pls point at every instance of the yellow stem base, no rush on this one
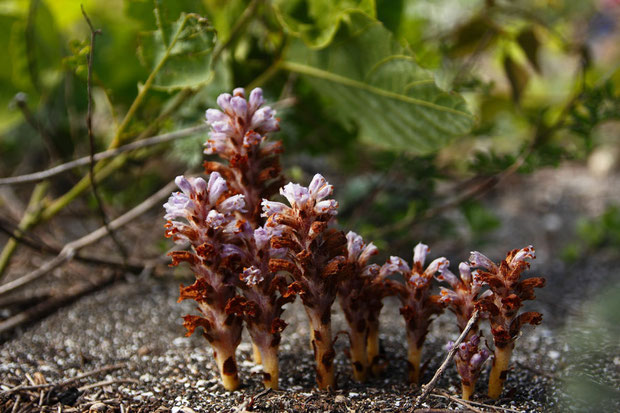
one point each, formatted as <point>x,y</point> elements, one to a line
<point>467,390</point>
<point>227,365</point>
<point>271,371</point>
<point>256,354</point>
<point>414,355</point>
<point>499,371</point>
<point>372,351</point>
<point>321,335</point>
<point>359,362</point>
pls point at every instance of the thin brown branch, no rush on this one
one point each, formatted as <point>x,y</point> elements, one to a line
<point>155,140</point>
<point>107,383</point>
<point>470,404</point>
<point>427,388</point>
<point>45,308</point>
<point>69,250</point>
<point>91,138</point>
<point>37,244</point>
<point>103,369</point>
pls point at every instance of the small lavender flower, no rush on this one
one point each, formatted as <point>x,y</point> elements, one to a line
<point>238,117</point>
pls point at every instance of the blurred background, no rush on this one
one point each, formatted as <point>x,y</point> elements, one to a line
<point>515,140</point>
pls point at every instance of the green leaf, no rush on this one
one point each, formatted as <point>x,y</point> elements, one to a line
<point>374,83</point>
<point>317,21</point>
<point>179,53</point>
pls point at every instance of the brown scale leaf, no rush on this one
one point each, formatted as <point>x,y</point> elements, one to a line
<point>277,326</point>
<point>182,256</point>
<point>530,317</point>
<point>192,322</point>
<point>198,291</point>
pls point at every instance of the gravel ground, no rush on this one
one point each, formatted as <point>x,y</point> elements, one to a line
<point>569,363</point>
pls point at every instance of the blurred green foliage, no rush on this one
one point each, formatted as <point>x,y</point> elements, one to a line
<point>396,101</point>
<point>595,233</point>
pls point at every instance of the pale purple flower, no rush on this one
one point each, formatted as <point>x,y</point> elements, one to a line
<point>272,207</point>
<point>395,265</point>
<point>251,139</point>
<point>437,265</point>
<point>329,206</point>
<point>465,272</point>
<point>296,194</point>
<point>230,125</point>
<point>446,275</point>
<point>319,188</point>
<point>477,259</point>
<point>252,276</point>
<point>215,219</point>
<point>523,254</point>
<point>357,250</point>
<point>419,254</point>
<point>233,203</point>
<point>216,187</point>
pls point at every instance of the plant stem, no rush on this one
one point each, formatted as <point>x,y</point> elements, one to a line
<point>227,365</point>
<point>414,355</point>
<point>359,360</point>
<point>29,219</point>
<point>271,371</point>
<point>321,339</point>
<point>372,348</point>
<point>499,371</point>
<point>256,354</point>
<point>467,390</point>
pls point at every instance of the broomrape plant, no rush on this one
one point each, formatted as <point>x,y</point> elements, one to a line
<point>252,255</point>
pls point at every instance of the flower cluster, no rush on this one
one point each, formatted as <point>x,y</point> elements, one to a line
<point>419,306</point>
<point>502,303</point>
<point>239,136</point>
<point>314,259</point>
<point>204,215</point>
<point>251,255</point>
<point>361,299</point>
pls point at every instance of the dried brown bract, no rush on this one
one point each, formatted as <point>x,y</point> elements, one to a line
<point>502,304</point>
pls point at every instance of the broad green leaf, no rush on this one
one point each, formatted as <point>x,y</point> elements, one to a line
<point>374,83</point>
<point>179,53</point>
<point>317,21</point>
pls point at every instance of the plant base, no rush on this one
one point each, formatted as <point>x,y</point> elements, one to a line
<point>499,371</point>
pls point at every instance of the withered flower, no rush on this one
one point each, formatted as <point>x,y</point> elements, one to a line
<point>209,223</point>
<point>418,305</point>
<point>502,305</point>
<point>360,296</point>
<point>239,135</point>
<point>462,300</point>
<point>314,259</point>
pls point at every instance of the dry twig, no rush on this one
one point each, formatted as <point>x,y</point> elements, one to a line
<point>91,138</point>
<point>110,153</point>
<point>107,383</point>
<point>70,249</point>
<point>427,388</point>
